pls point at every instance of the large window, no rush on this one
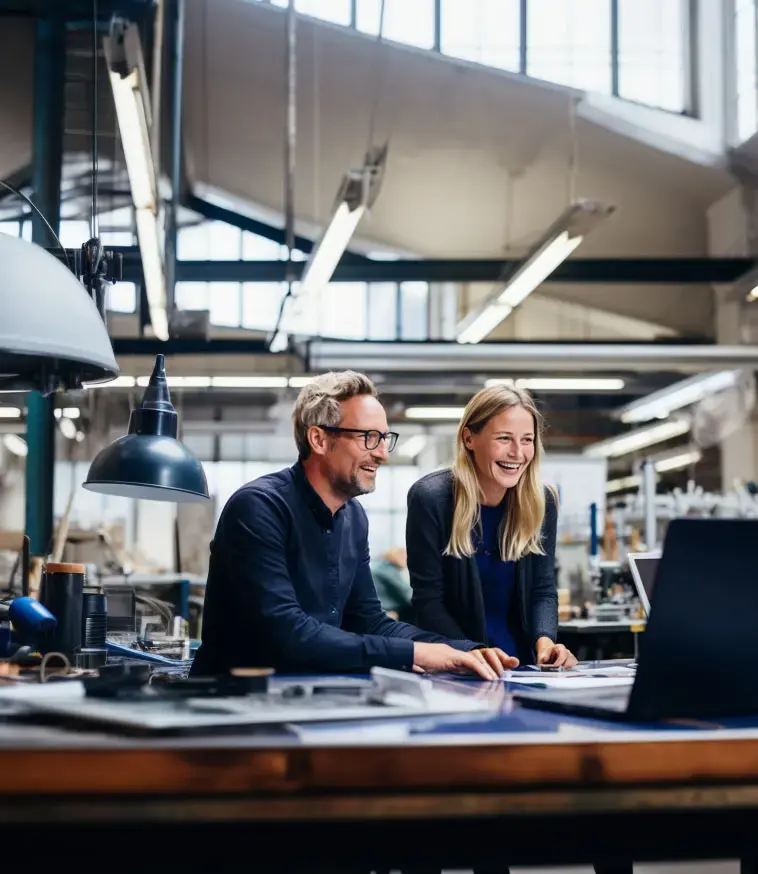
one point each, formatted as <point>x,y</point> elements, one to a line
<point>652,52</point>
<point>746,87</point>
<point>343,310</point>
<point>488,32</point>
<point>569,42</point>
<point>407,21</point>
<point>635,49</point>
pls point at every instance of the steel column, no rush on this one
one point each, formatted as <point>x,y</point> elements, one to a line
<point>176,153</point>
<point>47,136</point>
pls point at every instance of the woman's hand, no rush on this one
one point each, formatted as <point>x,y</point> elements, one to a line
<point>549,653</point>
<point>496,658</point>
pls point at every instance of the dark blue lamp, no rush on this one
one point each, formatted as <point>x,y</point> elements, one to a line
<point>149,462</point>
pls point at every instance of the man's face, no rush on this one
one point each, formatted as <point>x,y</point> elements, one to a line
<point>350,466</point>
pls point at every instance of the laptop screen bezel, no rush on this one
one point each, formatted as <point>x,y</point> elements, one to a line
<point>633,557</point>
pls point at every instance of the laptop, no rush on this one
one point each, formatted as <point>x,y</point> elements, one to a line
<point>696,658</point>
<point>643,567</point>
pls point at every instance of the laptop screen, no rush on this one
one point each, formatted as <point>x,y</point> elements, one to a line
<point>644,571</point>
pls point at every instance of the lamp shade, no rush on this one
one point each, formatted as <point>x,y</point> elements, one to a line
<point>51,333</point>
<point>149,462</point>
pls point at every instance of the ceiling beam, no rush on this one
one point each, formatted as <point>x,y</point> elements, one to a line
<point>610,271</point>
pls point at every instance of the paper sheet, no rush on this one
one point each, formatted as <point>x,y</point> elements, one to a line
<point>569,680</point>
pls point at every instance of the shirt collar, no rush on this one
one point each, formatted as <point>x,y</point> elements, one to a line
<point>322,513</point>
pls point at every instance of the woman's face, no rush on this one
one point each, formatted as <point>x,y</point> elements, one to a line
<point>503,449</point>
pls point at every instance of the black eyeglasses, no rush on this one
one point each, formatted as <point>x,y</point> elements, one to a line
<point>372,439</point>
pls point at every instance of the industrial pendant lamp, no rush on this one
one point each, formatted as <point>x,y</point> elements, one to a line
<point>149,462</point>
<point>51,334</point>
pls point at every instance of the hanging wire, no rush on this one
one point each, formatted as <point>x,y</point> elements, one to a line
<point>38,212</point>
<point>95,168</point>
<point>290,142</point>
<point>573,157</point>
<point>379,68</point>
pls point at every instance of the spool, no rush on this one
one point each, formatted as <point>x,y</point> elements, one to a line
<point>61,592</point>
<point>93,653</point>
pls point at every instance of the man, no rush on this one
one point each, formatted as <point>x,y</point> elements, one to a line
<point>289,584</point>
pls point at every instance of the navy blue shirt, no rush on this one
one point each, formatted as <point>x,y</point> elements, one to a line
<point>498,580</point>
<point>289,587</point>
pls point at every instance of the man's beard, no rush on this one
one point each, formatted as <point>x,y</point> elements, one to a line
<point>350,488</point>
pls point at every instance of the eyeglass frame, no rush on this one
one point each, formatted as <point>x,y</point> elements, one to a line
<point>390,437</point>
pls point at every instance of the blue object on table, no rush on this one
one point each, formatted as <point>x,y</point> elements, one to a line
<point>31,620</point>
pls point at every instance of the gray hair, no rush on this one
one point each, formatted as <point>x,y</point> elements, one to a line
<point>319,403</point>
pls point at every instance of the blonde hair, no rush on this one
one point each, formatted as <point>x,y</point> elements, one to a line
<point>521,530</point>
<point>319,403</point>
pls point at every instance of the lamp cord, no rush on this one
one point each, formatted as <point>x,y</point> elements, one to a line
<point>93,230</point>
<point>378,69</point>
<point>37,211</point>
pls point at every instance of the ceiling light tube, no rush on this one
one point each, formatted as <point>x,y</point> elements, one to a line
<point>558,243</point>
<point>411,447</point>
<point>560,383</point>
<point>681,394</point>
<point>10,413</point>
<point>152,269</point>
<point>249,381</point>
<point>640,438</point>
<point>357,193</point>
<point>676,459</point>
<point>434,412</point>
<point>15,444</point>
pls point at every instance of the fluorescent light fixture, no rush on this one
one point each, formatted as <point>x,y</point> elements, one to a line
<point>676,459</point>
<point>118,382</point>
<point>249,381</point>
<point>331,248</point>
<point>10,413</point>
<point>558,243</point>
<point>681,394</point>
<point>560,383</point>
<point>152,268</point>
<point>300,381</point>
<point>67,412</point>
<point>15,444</point>
<point>79,436</point>
<point>623,483</point>
<point>412,446</point>
<point>638,439</point>
<point>434,412</point>
<point>68,428</point>
<point>135,137</point>
<point>126,71</point>
<point>357,193</point>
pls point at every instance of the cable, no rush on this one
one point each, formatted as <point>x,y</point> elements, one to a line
<point>377,79</point>
<point>95,167</point>
<point>38,212</point>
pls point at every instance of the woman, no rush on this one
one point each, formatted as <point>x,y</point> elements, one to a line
<point>481,536</point>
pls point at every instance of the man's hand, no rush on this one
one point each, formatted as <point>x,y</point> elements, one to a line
<point>549,653</point>
<point>441,657</point>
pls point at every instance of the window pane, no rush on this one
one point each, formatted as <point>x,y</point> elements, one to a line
<point>122,297</point>
<point>9,228</point>
<point>255,248</point>
<point>192,295</point>
<point>651,52</point>
<point>747,96</point>
<point>337,11</point>
<point>73,233</point>
<point>486,31</point>
<point>413,310</point>
<point>342,310</point>
<point>382,311</point>
<point>225,303</point>
<point>569,42</point>
<point>260,304</point>
<point>407,21</point>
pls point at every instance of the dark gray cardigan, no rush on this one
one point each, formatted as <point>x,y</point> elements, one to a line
<point>447,592</point>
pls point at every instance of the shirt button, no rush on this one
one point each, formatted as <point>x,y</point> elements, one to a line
<point>333,611</point>
<point>328,530</point>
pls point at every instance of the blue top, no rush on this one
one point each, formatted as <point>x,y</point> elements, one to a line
<point>289,587</point>
<point>498,580</point>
